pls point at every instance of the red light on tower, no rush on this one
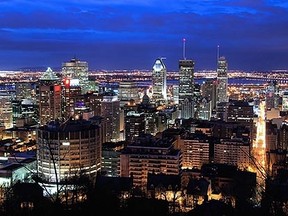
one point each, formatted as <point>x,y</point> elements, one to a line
<point>67,83</point>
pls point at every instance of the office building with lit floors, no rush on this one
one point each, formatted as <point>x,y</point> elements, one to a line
<point>134,125</point>
<point>68,149</point>
<point>110,111</point>
<point>76,69</point>
<point>234,151</point>
<point>186,88</point>
<point>149,154</point>
<point>222,80</point>
<point>159,82</point>
<point>195,150</point>
<point>49,97</point>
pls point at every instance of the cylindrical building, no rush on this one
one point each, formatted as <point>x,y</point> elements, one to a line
<point>68,149</point>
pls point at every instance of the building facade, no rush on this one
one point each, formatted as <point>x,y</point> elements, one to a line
<point>186,88</point>
<point>67,149</point>
<point>222,80</point>
<point>49,97</point>
<point>159,81</point>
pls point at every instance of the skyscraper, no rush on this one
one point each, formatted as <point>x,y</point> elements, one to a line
<point>222,80</point>
<point>76,69</point>
<point>110,111</point>
<point>49,96</point>
<point>159,84</point>
<point>186,88</point>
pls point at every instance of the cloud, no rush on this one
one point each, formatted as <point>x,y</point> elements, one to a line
<point>243,28</point>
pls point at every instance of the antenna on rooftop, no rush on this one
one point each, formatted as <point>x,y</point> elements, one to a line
<point>218,50</point>
<point>184,51</point>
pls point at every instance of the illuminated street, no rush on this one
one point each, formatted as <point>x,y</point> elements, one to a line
<point>259,150</point>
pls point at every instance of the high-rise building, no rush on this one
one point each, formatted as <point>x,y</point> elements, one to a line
<point>233,151</point>
<point>110,111</point>
<point>222,80</point>
<point>159,84</point>
<point>134,125</point>
<point>6,112</point>
<point>128,90</point>
<point>49,96</point>
<point>195,150</point>
<point>76,69</point>
<point>272,95</point>
<point>208,89</point>
<point>70,94</point>
<point>285,100</point>
<point>67,149</point>
<point>149,155</point>
<point>186,88</point>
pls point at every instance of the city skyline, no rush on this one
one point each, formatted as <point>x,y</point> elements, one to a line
<point>126,34</point>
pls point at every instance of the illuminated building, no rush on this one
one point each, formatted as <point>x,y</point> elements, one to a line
<point>67,149</point>
<point>6,112</point>
<point>186,88</point>
<point>76,69</point>
<point>151,115</point>
<point>209,89</point>
<point>110,162</point>
<point>70,93</point>
<point>234,151</point>
<point>285,101</point>
<point>149,155</point>
<point>24,90</point>
<point>242,113</point>
<point>49,97</point>
<point>110,111</point>
<point>134,125</point>
<point>159,84</point>
<point>272,95</point>
<point>128,90</point>
<point>195,150</point>
<point>222,80</point>
<point>205,109</point>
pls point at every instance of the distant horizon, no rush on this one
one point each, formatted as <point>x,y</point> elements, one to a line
<point>58,69</point>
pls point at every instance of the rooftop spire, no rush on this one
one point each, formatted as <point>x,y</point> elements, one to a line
<point>184,50</point>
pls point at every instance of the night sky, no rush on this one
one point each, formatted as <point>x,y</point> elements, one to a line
<point>131,34</point>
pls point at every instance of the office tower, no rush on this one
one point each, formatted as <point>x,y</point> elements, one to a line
<point>6,112</point>
<point>242,113</point>
<point>134,125</point>
<point>234,151</point>
<point>272,95</point>
<point>195,150</point>
<point>49,97</point>
<point>76,69</point>
<point>149,155</point>
<point>110,111</point>
<point>283,137</point>
<point>175,93</point>
<point>68,149</point>
<point>209,89</point>
<point>93,102</point>
<point>204,109</point>
<point>186,88</point>
<point>24,90</point>
<point>151,115</point>
<point>128,90</point>
<point>159,84</point>
<point>110,164</point>
<point>71,90</point>
<point>285,101</point>
<point>222,80</point>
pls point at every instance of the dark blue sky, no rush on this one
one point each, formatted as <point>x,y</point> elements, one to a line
<point>131,34</point>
